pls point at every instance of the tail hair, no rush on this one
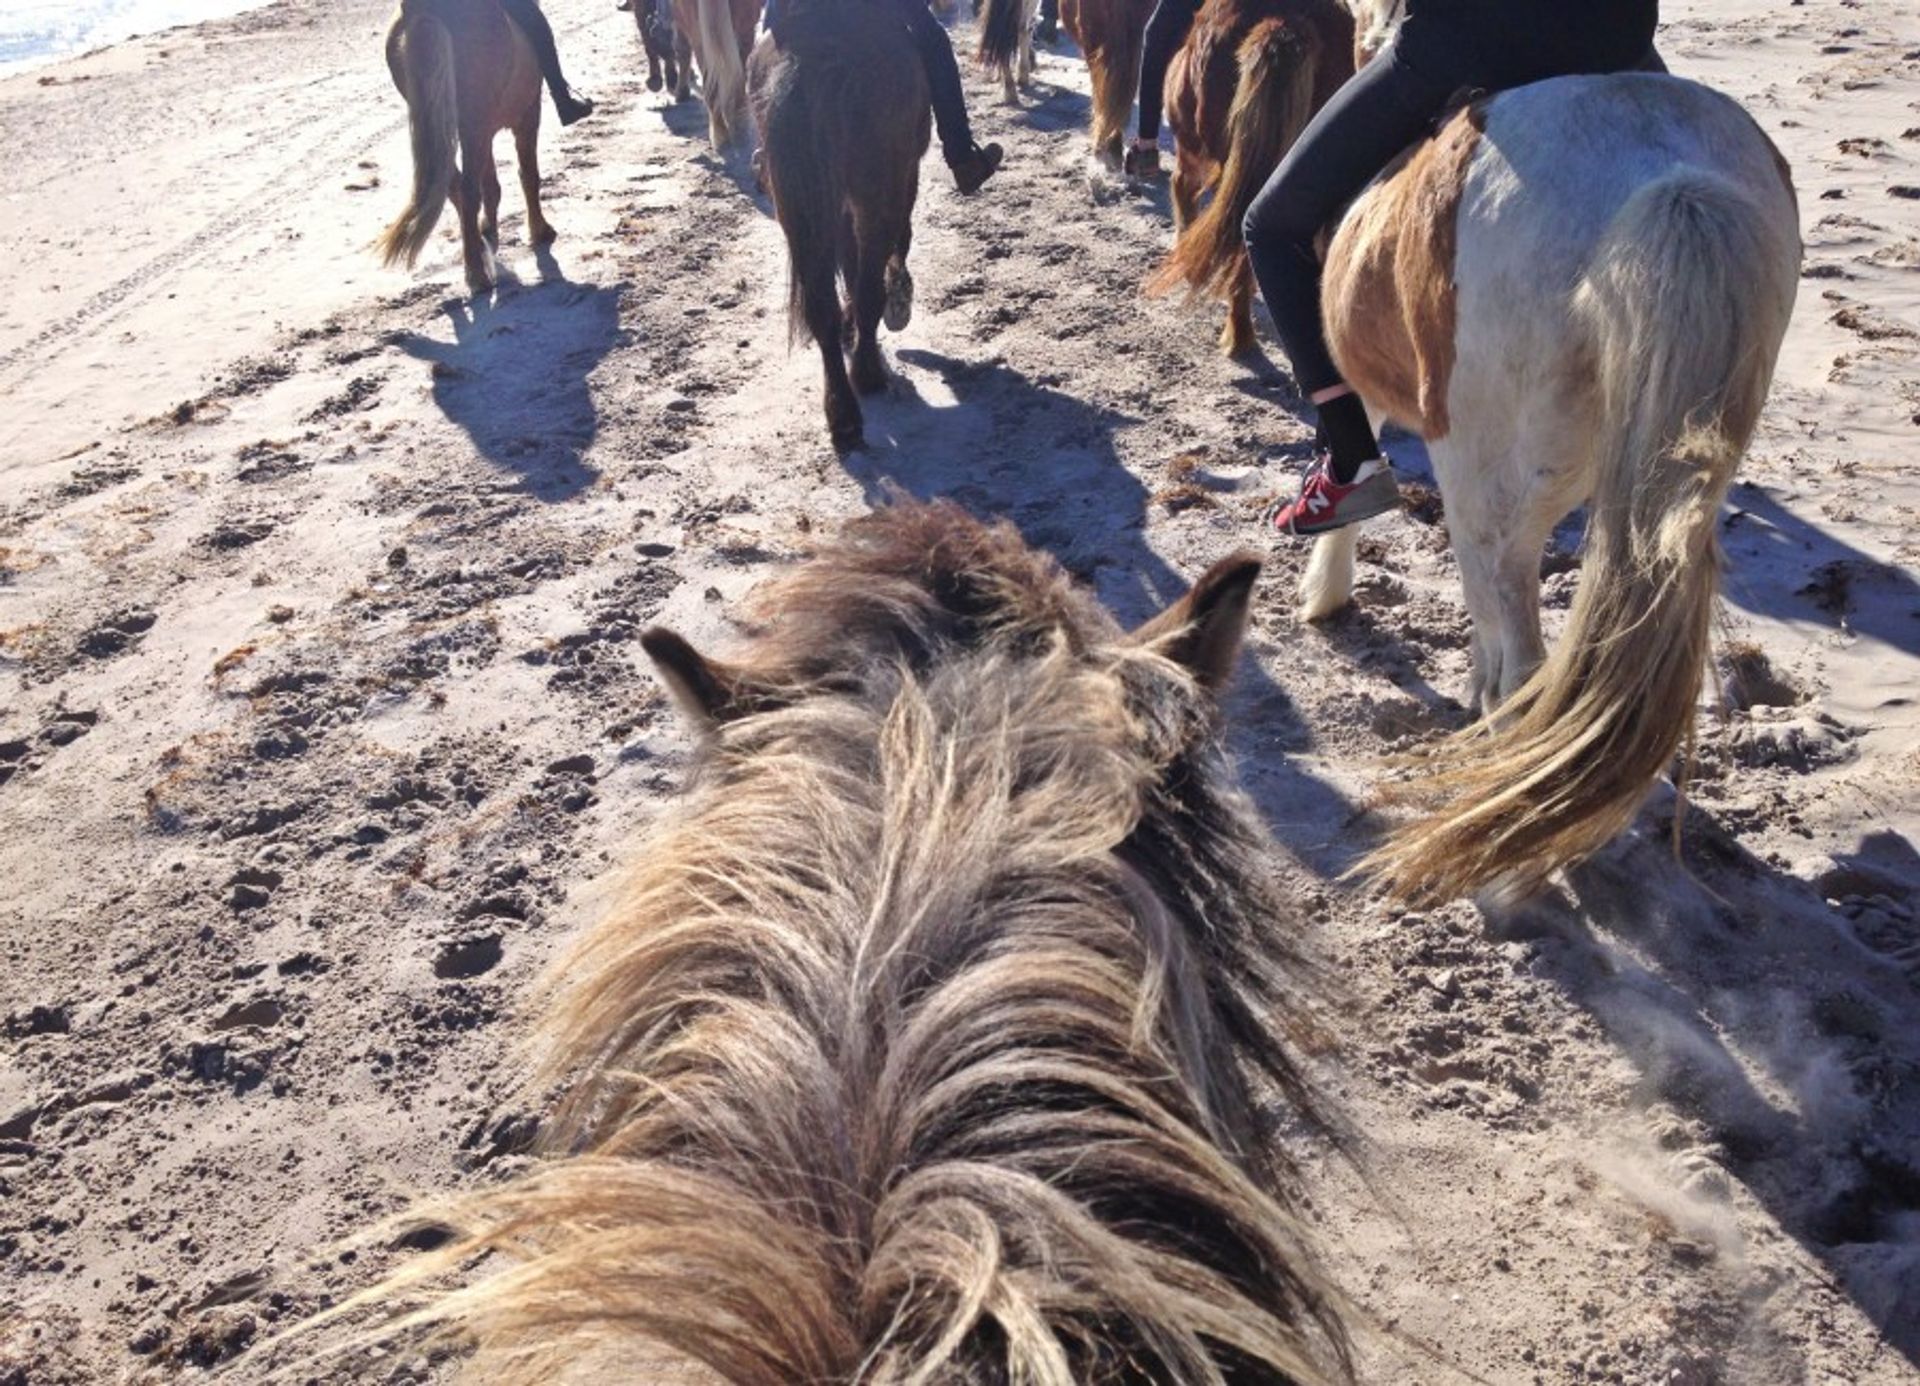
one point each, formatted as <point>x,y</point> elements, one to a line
<point>1000,32</point>
<point>424,51</point>
<point>1271,106</point>
<point>723,75</point>
<point>1115,68</point>
<point>1685,306</point>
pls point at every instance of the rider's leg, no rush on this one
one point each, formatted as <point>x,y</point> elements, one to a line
<point>526,13</point>
<point>1048,29</point>
<point>972,165</point>
<point>1370,120</point>
<point>1167,29</point>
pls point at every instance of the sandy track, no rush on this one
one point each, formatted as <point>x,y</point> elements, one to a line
<point>324,721</point>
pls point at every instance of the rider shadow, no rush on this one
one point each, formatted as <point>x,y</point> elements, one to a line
<point>1748,1006</point>
<point>1783,566</point>
<point>1083,505</point>
<point>515,376</point>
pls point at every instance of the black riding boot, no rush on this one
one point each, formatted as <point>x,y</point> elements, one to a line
<point>526,13</point>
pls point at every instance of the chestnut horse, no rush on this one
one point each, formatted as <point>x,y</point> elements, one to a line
<point>669,55</point>
<point>1110,34</point>
<point>841,99</point>
<point>1576,294</point>
<point>1240,90</point>
<point>944,1032</point>
<point>467,73</point>
<point>721,33</point>
<point>1006,43</point>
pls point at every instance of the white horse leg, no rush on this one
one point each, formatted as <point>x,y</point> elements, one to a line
<point>1327,585</point>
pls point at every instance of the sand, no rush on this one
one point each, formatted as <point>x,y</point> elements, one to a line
<point>323,723</point>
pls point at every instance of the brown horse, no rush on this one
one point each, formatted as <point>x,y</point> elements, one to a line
<point>467,73</point>
<point>841,100</point>
<point>1110,34</point>
<point>721,33</point>
<point>1239,92</point>
<point>942,1035</point>
<point>669,55</point>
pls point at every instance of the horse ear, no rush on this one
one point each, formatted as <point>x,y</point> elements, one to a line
<point>707,691</point>
<point>1203,629</point>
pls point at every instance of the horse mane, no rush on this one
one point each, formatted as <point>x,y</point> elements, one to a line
<point>942,1032</point>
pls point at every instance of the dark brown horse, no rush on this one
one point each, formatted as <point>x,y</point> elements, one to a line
<point>467,73</point>
<point>841,100</point>
<point>1247,81</point>
<point>669,55</point>
<point>1110,34</point>
<point>942,1034</point>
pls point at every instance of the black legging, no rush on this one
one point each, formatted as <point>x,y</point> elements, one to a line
<point>1167,29</point>
<point>943,79</point>
<point>526,13</point>
<point>1444,47</point>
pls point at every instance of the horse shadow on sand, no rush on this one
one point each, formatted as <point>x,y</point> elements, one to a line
<point>515,376</point>
<point>1758,1011</point>
<point>1080,503</point>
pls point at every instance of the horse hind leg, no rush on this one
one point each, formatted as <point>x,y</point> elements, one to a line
<point>467,187</point>
<point>869,306</point>
<point>526,148</point>
<point>490,201</point>
<point>1236,338</point>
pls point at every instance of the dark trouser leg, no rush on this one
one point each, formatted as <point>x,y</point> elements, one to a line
<point>943,80</point>
<point>526,13</point>
<point>1049,17</point>
<point>1167,29</point>
<point>1370,120</point>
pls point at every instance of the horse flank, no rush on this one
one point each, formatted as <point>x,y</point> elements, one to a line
<point>926,1041</point>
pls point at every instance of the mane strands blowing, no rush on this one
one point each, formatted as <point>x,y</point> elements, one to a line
<point>940,1035</point>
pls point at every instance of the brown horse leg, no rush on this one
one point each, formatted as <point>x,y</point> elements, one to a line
<point>1185,189</point>
<point>490,200</point>
<point>1237,339</point>
<point>869,305</point>
<point>466,193</point>
<point>526,149</point>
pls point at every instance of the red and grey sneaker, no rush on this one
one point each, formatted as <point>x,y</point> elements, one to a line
<point>1325,504</point>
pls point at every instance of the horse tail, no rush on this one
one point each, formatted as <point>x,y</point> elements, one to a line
<point>420,52</point>
<point>1684,304</point>
<point>808,186</point>
<point>1271,106</point>
<point>1113,60</point>
<point>1000,33</point>
<point>723,75</point>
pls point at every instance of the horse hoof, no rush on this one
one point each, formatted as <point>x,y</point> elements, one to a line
<point>545,236</point>
<point>654,84</point>
<point>899,309</point>
<point>869,377</point>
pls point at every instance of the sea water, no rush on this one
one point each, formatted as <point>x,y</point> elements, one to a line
<point>38,31</point>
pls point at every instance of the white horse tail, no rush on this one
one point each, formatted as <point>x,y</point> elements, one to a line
<point>723,75</point>
<point>1684,304</point>
<point>420,53</point>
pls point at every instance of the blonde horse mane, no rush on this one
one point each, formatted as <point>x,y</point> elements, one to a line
<point>938,1036</point>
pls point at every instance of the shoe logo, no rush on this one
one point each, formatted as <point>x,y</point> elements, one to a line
<point>1317,501</point>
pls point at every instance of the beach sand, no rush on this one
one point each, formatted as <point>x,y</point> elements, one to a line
<point>323,722</point>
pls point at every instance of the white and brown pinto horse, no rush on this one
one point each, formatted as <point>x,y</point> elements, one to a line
<point>1575,293</point>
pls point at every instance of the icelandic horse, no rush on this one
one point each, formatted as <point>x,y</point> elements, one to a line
<point>1239,92</point>
<point>841,100</point>
<point>942,1032</point>
<point>1006,44</point>
<point>721,33</point>
<point>1111,34</point>
<point>467,73</point>
<point>669,55</point>
<point>1575,293</point>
